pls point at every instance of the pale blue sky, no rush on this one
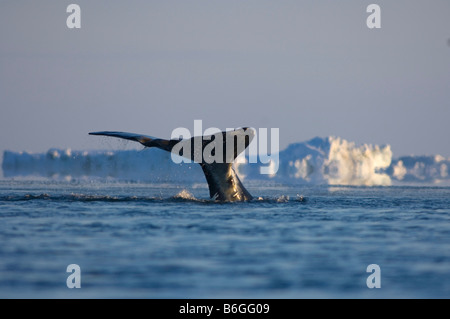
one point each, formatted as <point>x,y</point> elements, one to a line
<point>309,68</point>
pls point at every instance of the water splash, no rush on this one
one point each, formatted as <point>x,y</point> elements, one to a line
<point>185,194</point>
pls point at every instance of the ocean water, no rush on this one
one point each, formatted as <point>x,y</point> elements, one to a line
<point>134,240</point>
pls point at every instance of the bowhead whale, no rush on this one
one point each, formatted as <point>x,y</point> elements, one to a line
<point>215,154</point>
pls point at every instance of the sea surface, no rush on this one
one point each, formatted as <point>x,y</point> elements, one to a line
<point>135,240</point>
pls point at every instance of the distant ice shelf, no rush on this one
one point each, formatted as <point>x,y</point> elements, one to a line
<point>329,160</point>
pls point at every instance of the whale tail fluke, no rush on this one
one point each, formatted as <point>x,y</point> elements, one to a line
<point>148,141</point>
<point>223,182</point>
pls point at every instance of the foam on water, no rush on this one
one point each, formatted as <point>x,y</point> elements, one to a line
<point>185,194</point>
